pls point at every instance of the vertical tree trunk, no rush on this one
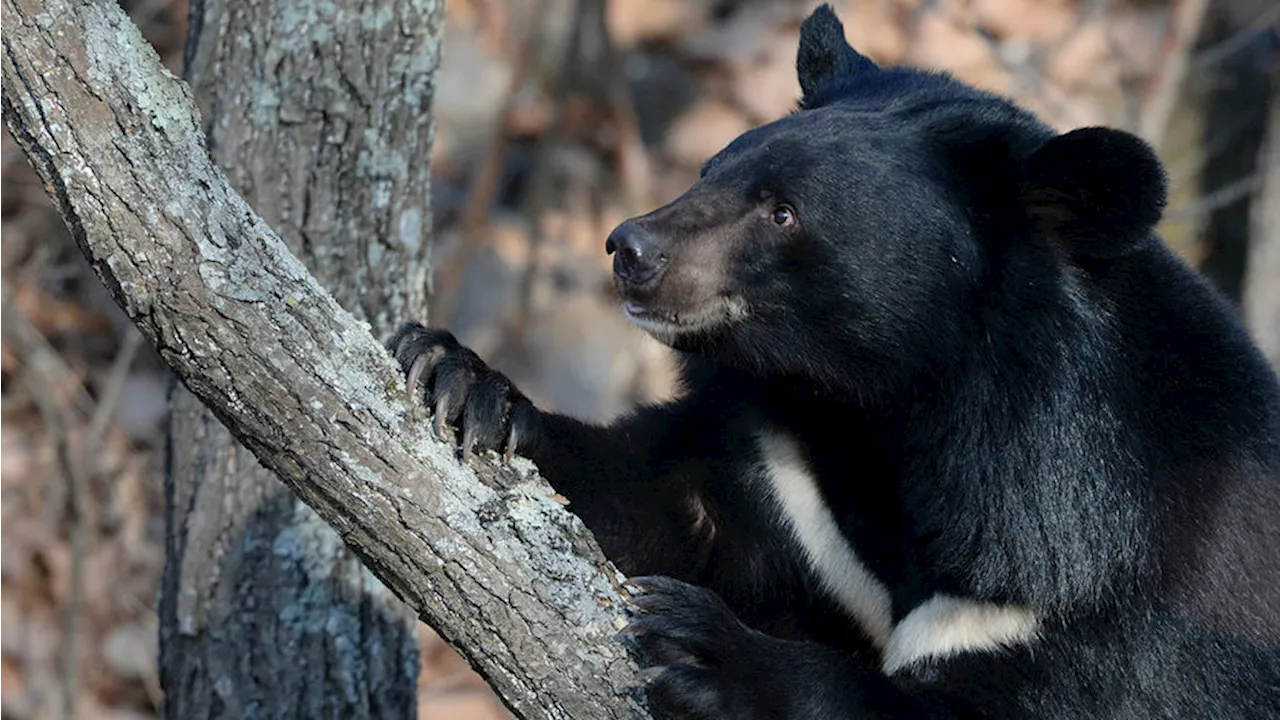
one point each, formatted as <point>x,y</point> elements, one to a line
<point>1262,283</point>
<point>1235,124</point>
<point>320,114</point>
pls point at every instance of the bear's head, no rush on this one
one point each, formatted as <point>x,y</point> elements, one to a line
<point>876,229</point>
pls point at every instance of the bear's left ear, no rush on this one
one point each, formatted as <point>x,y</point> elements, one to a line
<point>1096,191</point>
<point>825,59</point>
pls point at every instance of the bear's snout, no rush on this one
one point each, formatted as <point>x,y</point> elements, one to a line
<point>637,259</point>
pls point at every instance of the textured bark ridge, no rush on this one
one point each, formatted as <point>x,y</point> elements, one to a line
<point>319,113</point>
<point>498,567</point>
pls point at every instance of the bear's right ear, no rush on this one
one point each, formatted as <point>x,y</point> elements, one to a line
<point>825,60</point>
<point>1095,191</point>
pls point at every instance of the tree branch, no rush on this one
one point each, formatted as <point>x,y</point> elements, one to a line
<point>497,567</point>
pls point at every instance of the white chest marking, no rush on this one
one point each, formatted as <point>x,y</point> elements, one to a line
<point>943,626</point>
<point>837,566</point>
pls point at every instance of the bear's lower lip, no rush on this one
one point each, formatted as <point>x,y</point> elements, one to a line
<point>634,309</point>
<point>656,322</point>
<point>666,324</point>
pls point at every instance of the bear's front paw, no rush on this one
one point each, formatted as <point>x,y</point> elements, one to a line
<point>459,386</point>
<point>704,664</point>
<point>698,653</point>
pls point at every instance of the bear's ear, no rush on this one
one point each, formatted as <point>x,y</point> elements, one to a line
<point>825,59</point>
<point>1097,192</point>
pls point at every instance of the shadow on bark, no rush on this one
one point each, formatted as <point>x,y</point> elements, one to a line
<point>272,610</point>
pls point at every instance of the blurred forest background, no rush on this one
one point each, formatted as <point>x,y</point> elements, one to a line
<point>556,119</point>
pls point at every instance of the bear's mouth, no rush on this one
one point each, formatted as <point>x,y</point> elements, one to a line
<point>665,324</point>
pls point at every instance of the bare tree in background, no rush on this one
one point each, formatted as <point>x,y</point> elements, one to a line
<point>1262,282</point>
<point>1237,71</point>
<point>320,114</point>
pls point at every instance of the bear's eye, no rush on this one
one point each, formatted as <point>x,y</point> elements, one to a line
<point>784,216</point>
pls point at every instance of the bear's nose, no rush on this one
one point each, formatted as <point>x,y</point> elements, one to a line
<point>636,258</point>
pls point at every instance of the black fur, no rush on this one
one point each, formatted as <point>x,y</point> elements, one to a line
<point>1098,191</point>
<point>1004,386</point>
<point>824,61</point>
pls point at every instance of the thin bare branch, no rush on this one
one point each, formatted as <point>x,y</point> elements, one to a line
<point>1228,194</point>
<point>45,374</point>
<point>1209,57</point>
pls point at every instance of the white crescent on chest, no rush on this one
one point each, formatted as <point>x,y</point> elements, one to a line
<point>941,627</point>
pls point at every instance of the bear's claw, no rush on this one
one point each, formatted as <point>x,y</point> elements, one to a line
<point>461,389</point>
<point>689,642</point>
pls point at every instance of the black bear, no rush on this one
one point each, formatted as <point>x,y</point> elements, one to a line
<point>959,436</point>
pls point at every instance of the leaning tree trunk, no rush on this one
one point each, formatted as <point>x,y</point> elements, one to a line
<point>481,550</point>
<point>320,114</point>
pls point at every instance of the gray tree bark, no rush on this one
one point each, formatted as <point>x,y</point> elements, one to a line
<point>320,116</point>
<point>492,561</point>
